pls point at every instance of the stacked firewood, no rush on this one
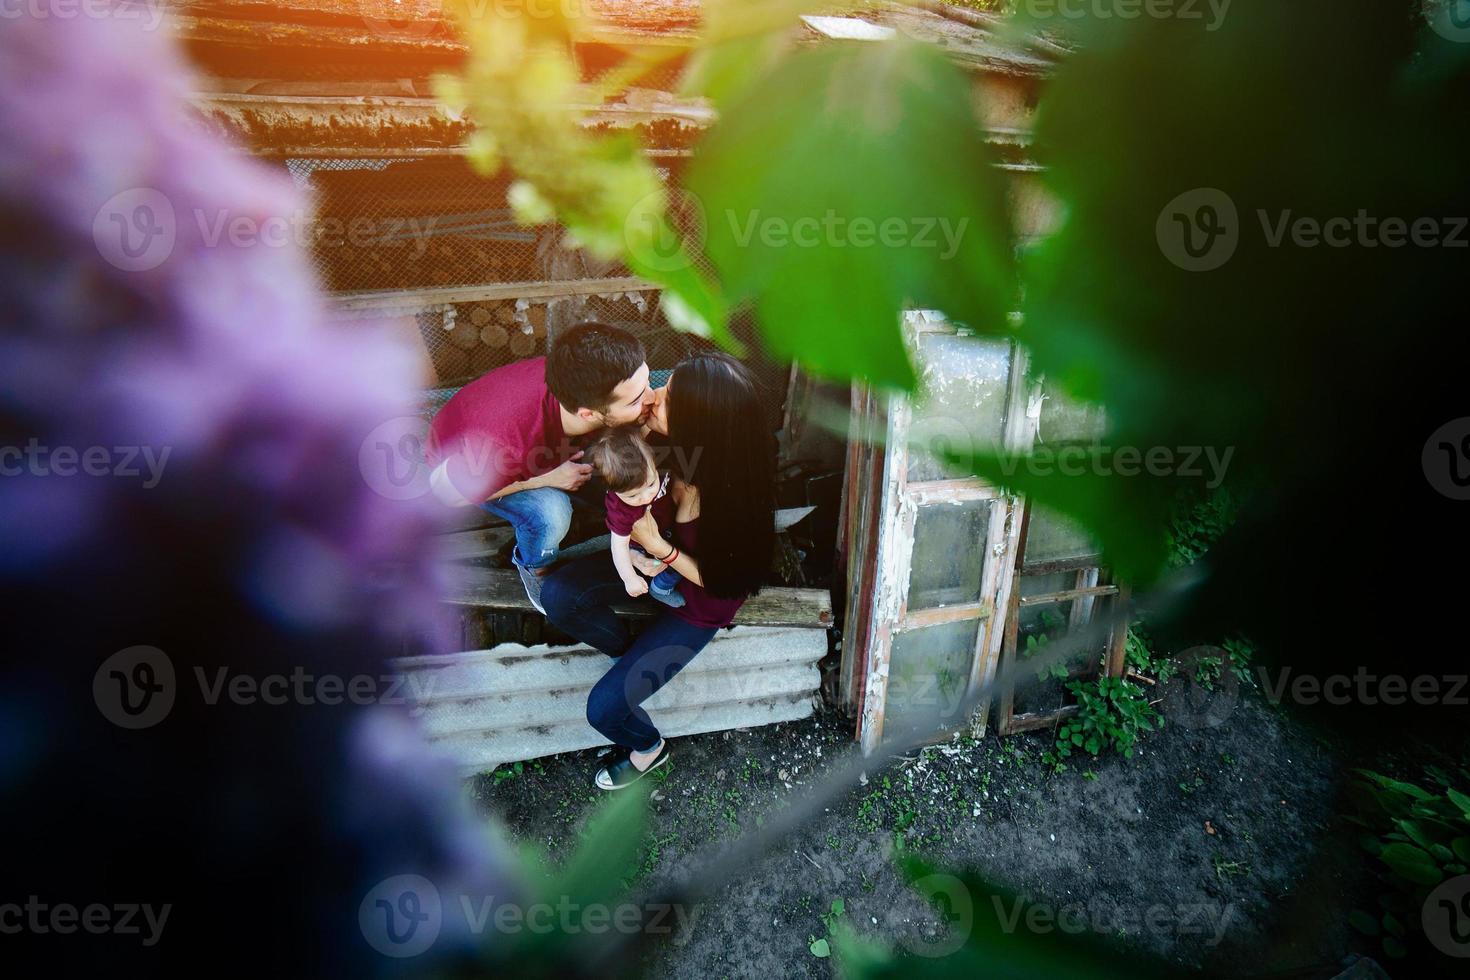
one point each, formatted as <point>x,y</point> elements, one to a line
<point>483,336</point>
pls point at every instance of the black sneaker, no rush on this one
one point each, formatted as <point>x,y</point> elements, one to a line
<point>621,773</point>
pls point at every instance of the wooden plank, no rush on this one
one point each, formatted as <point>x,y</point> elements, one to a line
<point>425,298</point>
<point>1047,598</point>
<point>501,589</point>
<point>1039,719</point>
<point>1061,565</point>
<point>941,615</point>
<point>478,543</point>
<point>1118,642</point>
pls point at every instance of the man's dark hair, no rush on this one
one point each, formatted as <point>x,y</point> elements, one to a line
<point>588,361</point>
<point>622,458</point>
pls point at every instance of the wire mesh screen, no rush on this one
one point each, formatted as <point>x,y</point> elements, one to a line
<point>427,238</point>
<point>426,223</point>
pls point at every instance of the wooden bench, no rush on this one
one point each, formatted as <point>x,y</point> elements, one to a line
<point>501,589</point>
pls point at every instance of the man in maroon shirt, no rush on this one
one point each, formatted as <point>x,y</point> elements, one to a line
<point>511,441</point>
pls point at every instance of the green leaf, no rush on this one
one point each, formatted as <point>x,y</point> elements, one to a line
<point>1363,922</point>
<point>1460,800</point>
<point>821,949</point>
<point>1394,948</point>
<point>838,907</point>
<point>1411,863</point>
<point>1461,847</point>
<point>608,851</point>
<point>850,183</point>
<point>1392,925</point>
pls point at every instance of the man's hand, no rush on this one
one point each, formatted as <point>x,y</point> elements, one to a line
<point>570,475</point>
<point>635,586</point>
<point>647,565</point>
<point>645,534</point>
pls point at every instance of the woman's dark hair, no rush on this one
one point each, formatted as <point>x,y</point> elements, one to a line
<point>588,361</point>
<point>621,458</point>
<point>717,429</point>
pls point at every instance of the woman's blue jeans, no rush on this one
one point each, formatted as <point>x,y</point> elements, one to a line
<point>578,599</point>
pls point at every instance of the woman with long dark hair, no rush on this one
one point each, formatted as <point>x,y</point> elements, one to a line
<point>722,541</point>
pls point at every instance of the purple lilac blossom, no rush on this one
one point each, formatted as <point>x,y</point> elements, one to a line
<point>253,547</point>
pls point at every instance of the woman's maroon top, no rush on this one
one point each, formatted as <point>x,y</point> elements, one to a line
<point>700,608</point>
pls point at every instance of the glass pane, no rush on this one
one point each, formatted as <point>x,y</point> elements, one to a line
<point>1044,689</point>
<point>949,553</point>
<point>1050,537</point>
<point>1066,420</point>
<point>962,402</point>
<point>928,672</point>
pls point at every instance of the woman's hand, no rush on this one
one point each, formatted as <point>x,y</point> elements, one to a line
<point>645,564</point>
<point>645,534</point>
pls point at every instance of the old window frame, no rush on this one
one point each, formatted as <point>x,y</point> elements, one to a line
<point>880,534</point>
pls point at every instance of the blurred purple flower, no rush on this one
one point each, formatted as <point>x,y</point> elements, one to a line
<point>254,544</point>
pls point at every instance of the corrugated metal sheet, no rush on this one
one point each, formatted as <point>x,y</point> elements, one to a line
<point>488,707</point>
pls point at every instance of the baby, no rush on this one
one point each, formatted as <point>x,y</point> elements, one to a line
<point>627,466</point>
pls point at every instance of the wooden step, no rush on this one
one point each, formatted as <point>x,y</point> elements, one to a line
<point>501,588</point>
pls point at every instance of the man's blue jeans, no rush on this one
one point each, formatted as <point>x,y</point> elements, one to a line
<point>540,519</point>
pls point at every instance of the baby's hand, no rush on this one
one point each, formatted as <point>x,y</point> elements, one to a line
<point>635,586</point>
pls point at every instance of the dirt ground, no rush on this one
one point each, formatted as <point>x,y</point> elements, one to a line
<point>1216,847</point>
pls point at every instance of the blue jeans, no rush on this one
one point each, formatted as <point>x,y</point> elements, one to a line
<point>578,598</point>
<point>540,519</point>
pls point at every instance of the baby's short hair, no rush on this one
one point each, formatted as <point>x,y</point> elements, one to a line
<point>622,458</point>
